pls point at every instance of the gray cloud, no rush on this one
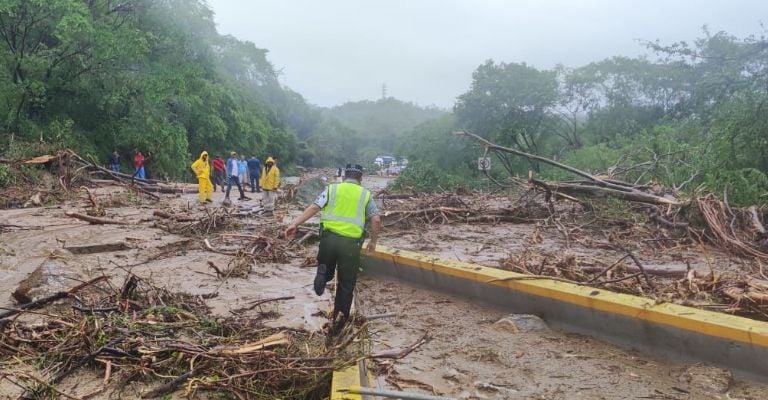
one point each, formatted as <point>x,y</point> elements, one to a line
<point>332,51</point>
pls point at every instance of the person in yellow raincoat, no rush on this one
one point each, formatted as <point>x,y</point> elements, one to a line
<point>202,169</point>
<point>269,182</point>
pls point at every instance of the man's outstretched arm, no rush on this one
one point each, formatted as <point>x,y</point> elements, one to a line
<point>307,214</point>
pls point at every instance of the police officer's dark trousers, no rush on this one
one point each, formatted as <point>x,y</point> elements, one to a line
<point>340,255</point>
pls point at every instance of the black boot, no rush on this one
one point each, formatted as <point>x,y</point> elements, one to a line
<point>320,279</point>
<point>337,323</point>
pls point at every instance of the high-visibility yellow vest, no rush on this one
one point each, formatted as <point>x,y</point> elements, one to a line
<point>344,213</point>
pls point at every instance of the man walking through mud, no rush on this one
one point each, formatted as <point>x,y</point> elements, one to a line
<point>346,207</point>
<point>233,176</point>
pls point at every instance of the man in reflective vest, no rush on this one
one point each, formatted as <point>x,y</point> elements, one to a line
<point>346,207</point>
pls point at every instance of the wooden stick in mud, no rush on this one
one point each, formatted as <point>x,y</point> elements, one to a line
<point>88,358</point>
<point>396,355</point>
<point>96,220</point>
<point>47,386</point>
<point>175,217</point>
<point>263,301</point>
<point>169,387</point>
<point>306,236</point>
<point>211,248</point>
<point>49,299</point>
<point>639,265</point>
<point>610,267</point>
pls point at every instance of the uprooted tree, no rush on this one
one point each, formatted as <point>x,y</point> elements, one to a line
<point>739,230</point>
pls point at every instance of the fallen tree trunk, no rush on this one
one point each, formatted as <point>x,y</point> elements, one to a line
<point>595,188</point>
<point>165,189</point>
<point>141,187</point>
<point>96,220</point>
<point>114,175</point>
<point>493,146</point>
<point>597,191</point>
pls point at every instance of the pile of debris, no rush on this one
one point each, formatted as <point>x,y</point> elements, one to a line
<point>744,293</point>
<point>73,171</point>
<point>139,332</point>
<point>447,208</point>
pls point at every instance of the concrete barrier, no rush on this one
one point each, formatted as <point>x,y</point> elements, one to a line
<point>663,329</point>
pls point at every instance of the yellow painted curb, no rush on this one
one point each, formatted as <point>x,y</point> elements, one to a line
<point>350,376</point>
<point>687,318</point>
<point>344,379</point>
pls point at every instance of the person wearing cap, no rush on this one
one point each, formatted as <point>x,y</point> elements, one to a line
<point>233,176</point>
<point>346,207</point>
<point>202,169</point>
<point>269,181</point>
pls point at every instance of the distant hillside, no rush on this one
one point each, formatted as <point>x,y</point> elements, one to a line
<point>380,122</point>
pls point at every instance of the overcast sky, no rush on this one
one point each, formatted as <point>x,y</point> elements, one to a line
<point>333,51</point>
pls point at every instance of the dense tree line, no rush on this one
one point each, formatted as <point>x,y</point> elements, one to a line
<point>695,117</point>
<point>147,74</point>
<point>155,75</point>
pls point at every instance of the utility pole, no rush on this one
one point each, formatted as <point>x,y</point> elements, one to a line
<point>383,91</point>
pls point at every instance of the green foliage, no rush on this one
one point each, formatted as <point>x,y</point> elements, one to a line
<point>380,123</point>
<point>743,187</point>
<point>694,118</point>
<point>425,177</point>
<point>157,76</point>
<point>597,157</point>
<point>7,176</point>
<point>509,104</point>
<point>433,142</point>
<point>147,75</point>
<point>335,144</point>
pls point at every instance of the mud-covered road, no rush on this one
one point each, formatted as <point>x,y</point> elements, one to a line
<point>473,356</point>
<point>469,356</point>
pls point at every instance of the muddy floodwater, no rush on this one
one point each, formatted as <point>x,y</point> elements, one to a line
<point>471,355</point>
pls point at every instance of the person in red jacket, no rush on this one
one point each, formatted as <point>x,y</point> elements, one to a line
<point>138,165</point>
<point>219,171</point>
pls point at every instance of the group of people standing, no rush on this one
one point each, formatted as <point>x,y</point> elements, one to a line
<point>239,172</point>
<point>138,163</point>
<point>347,209</point>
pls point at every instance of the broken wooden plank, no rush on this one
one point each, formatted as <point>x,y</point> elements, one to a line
<point>98,248</point>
